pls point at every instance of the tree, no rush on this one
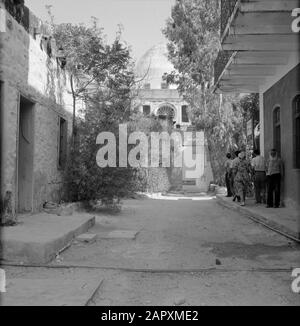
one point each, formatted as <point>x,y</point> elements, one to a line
<point>87,59</point>
<point>250,106</point>
<point>101,74</point>
<point>250,109</point>
<point>193,32</point>
<point>108,105</point>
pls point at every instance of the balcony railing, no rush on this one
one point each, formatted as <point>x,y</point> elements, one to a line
<point>221,62</point>
<point>227,8</point>
<point>19,12</point>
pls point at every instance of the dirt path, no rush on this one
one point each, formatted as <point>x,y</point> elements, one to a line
<point>185,253</point>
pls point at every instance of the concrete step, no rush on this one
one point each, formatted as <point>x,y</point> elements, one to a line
<point>37,239</point>
<point>193,189</point>
<point>187,183</point>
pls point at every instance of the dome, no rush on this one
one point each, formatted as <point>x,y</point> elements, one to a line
<point>153,65</point>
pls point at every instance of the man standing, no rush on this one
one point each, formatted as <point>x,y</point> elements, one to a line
<point>259,167</point>
<point>274,174</point>
<point>242,178</point>
<point>234,164</point>
<point>228,174</point>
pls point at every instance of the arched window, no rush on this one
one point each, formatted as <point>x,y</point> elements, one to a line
<point>296,131</point>
<point>277,129</point>
<point>166,111</point>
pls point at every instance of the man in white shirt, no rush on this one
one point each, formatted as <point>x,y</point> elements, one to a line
<point>259,167</point>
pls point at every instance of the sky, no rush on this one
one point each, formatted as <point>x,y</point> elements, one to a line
<point>142,20</point>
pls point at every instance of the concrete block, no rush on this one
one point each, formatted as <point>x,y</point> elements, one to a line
<point>38,238</point>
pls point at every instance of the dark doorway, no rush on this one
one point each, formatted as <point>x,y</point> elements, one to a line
<point>184,114</point>
<point>25,156</point>
<point>146,110</point>
<point>1,139</point>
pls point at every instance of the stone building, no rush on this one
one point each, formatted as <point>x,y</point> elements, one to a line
<point>35,112</point>
<point>261,54</point>
<point>156,97</point>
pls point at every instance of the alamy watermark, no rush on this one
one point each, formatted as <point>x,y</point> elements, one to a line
<point>296,21</point>
<point>296,281</point>
<point>2,281</point>
<point>166,150</point>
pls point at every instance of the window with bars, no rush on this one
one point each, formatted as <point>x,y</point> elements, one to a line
<point>146,109</point>
<point>277,130</point>
<point>184,114</point>
<point>296,131</point>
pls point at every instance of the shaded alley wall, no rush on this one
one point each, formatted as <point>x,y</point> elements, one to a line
<point>28,71</point>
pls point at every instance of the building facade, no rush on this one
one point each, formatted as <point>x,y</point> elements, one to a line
<point>35,112</point>
<point>261,54</point>
<point>156,97</point>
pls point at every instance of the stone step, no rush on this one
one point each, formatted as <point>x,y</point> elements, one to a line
<point>37,239</point>
<point>193,189</point>
<point>189,182</point>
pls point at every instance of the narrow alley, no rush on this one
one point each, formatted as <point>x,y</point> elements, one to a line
<point>149,155</point>
<point>171,251</point>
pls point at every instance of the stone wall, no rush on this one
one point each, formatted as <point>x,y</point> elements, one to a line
<point>27,71</point>
<point>158,180</point>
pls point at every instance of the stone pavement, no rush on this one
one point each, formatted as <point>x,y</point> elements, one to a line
<point>39,287</point>
<point>283,220</point>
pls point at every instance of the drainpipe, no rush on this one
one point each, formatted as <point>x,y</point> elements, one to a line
<point>262,123</point>
<point>1,146</point>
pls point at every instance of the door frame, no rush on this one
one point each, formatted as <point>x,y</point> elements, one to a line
<point>26,98</point>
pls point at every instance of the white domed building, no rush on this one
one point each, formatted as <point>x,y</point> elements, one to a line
<point>155,96</point>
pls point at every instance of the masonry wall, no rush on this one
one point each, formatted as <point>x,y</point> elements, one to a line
<point>27,70</point>
<point>155,180</point>
<point>282,94</point>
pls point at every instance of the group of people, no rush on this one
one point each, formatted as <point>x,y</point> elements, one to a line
<point>243,172</point>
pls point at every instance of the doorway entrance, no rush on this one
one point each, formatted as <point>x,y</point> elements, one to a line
<point>25,156</point>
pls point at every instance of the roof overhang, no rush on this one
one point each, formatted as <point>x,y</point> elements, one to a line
<point>257,43</point>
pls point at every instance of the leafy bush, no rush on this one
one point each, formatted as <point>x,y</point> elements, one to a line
<point>107,104</point>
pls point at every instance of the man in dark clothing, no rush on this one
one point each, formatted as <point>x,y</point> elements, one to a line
<point>228,174</point>
<point>234,164</point>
